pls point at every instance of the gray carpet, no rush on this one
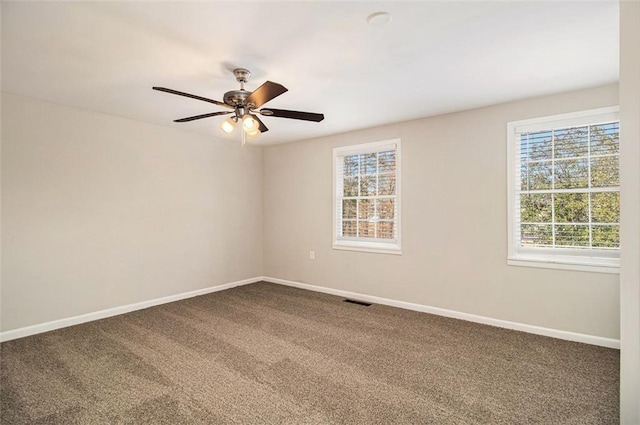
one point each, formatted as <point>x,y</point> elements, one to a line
<point>266,353</point>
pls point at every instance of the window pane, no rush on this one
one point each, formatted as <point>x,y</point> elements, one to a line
<point>535,146</point>
<point>385,208</point>
<point>349,228</point>
<point>385,229</point>
<point>604,139</point>
<point>605,207</point>
<point>524,176</point>
<point>387,162</point>
<point>368,163</point>
<point>367,198</point>
<point>351,165</point>
<point>539,175</point>
<point>387,185</point>
<point>606,236</point>
<point>350,186</point>
<point>349,208</point>
<point>568,235</point>
<point>571,174</point>
<point>536,235</point>
<point>368,186</point>
<point>366,229</point>
<point>571,142</point>
<point>366,208</point>
<point>566,194</point>
<point>604,171</point>
<point>572,207</point>
<point>535,207</point>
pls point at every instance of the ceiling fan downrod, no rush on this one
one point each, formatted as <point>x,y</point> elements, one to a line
<point>242,76</point>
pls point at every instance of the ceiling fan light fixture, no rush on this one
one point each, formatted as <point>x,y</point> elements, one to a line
<point>253,134</point>
<point>250,124</point>
<point>227,126</point>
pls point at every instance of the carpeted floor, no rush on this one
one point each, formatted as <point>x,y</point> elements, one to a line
<point>266,353</point>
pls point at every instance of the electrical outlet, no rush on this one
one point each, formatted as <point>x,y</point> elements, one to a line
<point>312,255</point>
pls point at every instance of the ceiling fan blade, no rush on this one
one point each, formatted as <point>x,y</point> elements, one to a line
<point>192,96</point>
<point>264,93</point>
<point>296,115</point>
<point>263,127</point>
<point>197,117</point>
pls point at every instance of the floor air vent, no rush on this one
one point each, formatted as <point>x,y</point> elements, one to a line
<point>357,302</point>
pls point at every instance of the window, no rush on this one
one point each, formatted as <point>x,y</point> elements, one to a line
<point>564,191</point>
<point>367,197</point>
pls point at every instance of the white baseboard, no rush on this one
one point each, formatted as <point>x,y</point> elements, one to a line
<point>102,314</point>
<point>538,330</point>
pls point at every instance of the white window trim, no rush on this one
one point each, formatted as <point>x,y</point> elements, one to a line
<point>373,246</point>
<point>605,261</point>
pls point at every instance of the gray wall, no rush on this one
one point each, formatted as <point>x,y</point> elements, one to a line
<point>453,259</point>
<point>99,212</point>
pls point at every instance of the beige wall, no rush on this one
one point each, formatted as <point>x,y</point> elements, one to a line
<point>99,212</point>
<point>630,212</point>
<point>451,165</point>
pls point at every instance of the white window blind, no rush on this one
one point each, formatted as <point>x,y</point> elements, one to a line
<point>366,197</point>
<point>564,190</point>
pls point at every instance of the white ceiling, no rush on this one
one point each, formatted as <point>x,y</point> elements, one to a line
<point>433,58</point>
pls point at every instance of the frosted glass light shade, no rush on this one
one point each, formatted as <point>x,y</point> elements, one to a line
<point>227,126</point>
<point>250,124</point>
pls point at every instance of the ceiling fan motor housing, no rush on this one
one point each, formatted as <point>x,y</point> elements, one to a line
<point>236,98</point>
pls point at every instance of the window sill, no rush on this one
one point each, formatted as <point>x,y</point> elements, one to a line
<point>367,247</point>
<point>611,266</point>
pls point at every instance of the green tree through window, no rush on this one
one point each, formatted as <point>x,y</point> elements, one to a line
<point>569,193</point>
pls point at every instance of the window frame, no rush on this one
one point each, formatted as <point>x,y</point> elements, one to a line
<point>378,245</point>
<point>591,260</point>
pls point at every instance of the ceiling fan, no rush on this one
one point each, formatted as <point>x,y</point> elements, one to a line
<point>244,104</point>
